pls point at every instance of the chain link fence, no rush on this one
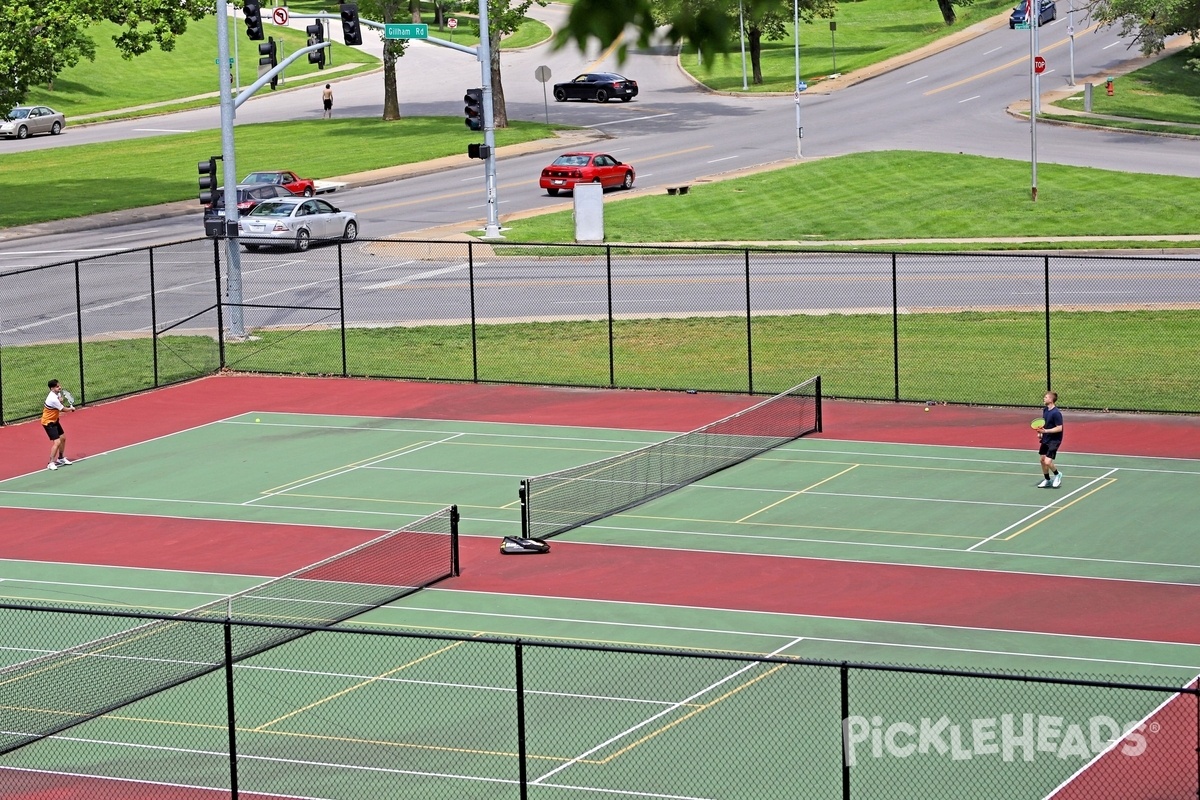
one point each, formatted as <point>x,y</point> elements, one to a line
<point>363,711</point>
<point>1106,332</point>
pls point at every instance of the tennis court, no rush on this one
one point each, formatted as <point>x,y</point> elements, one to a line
<point>821,549</point>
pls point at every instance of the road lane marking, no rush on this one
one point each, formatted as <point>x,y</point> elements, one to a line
<point>1007,65</point>
<point>914,80</point>
<point>631,119</point>
<point>969,99</point>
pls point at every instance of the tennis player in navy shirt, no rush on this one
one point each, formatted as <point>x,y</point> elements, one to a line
<point>1050,437</point>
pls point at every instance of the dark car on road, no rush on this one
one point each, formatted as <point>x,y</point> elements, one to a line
<point>598,86</point>
<point>1047,12</point>
<point>248,197</point>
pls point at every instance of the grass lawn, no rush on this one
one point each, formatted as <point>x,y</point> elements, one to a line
<point>159,169</point>
<point>108,83</point>
<point>1163,90</point>
<point>896,195</point>
<point>1100,359</point>
<point>867,33</point>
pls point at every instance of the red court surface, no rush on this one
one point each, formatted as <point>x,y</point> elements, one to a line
<point>1094,607</point>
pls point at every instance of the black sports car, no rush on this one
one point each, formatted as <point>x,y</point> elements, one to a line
<point>598,86</point>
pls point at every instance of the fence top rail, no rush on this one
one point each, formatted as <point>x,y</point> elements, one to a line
<point>1187,689</point>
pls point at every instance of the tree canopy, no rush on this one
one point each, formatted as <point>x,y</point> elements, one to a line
<point>38,40</point>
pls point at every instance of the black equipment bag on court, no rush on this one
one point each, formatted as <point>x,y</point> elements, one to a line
<point>515,545</point>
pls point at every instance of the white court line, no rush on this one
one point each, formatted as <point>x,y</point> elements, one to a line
<point>1043,509</point>
<point>346,470</point>
<point>539,780</point>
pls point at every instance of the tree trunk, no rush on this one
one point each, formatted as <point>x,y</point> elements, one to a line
<point>392,50</point>
<point>415,7</point>
<point>947,11</point>
<point>499,113</point>
<point>756,54</point>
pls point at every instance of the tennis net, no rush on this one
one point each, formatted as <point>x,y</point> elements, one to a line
<point>51,693</point>
<point>559,501</point>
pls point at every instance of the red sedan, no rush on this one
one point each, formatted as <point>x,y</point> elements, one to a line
<point>572,168</point>
<point>290,180</point>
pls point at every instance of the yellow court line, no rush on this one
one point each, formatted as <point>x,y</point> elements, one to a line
<point>1109,482</point>
<point>1013,63</point>
<point>691,714</point>
<point>794,494</point>
<point>351,465</point>
<point>360,685</point>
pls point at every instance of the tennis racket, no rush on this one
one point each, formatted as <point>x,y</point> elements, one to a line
<point>1038,424</point>
<point>70,398</point>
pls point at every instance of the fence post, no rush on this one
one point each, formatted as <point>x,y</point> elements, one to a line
<point>474,332</point>
<point>79,333</point>
<point>524,775</point>
<point>229,711</point>
<point>612,370</point>
<point>895,334</point>
<point>220,309</point>
<point>845,692</point>
<point>1046,278</point>
<point>342,309</point>
<point>749,334</point>
<point>153,320</point>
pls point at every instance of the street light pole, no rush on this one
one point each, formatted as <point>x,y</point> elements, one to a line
<point>742,37</point>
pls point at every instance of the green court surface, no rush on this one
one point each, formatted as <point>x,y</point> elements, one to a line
<point>339,714</point>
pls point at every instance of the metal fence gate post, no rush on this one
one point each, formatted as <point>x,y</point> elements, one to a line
<point>79,332</point>
<point>342,309</point>
<point>845,692</point>
<point>524,775</point>
<point>220,309</point>
<point>612,369</point>
<point>749,333</point>
<point>229,710</point>
<point>895,334</point>
<point>474,332</point>
<point>1046,278</point>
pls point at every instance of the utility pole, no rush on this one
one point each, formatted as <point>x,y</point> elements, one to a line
<point>233,288</point>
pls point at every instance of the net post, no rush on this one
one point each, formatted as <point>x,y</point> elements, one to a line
<point>523,494</point>
<point>454,562</point>
<point>820,423</point>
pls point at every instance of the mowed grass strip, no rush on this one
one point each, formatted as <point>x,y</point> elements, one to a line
<point>867,33</point>
<point>93,178</point>
<point>895,195</point>
<point>1164,90</point>
<point>1143,360</point>
<point>112,82</point>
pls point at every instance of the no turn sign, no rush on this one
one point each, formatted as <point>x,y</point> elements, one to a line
<point>452,23</point>
<point>280,16</point>
<point>1039,64</point>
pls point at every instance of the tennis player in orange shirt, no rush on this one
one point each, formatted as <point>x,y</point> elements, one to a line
<point>51,410</point>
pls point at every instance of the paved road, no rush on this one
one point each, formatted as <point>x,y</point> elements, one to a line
<point>953,101</point>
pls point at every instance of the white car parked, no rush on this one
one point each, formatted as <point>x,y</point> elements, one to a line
<point>296,222</point>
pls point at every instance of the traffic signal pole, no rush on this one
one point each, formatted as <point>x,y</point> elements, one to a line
<point>492,230</point>
<point>233,287</point>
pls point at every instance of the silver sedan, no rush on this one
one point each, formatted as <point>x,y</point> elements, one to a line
<point>296,222</point>
<point>24,121</point>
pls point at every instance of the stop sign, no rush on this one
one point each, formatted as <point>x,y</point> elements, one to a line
<point>1039,64</point>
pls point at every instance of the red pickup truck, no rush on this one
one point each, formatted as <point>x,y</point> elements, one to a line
<point>294,184</point>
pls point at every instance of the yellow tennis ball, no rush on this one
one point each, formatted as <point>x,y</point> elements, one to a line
<point>926,409</point>
<point>256,419</point>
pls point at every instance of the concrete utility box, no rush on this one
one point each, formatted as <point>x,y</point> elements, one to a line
<point>589,212</point>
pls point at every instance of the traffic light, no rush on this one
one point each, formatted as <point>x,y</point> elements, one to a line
<point>478,151</point>
<point>208,180</point>
<point>351,34</point>
<point>253,11</point>
<point>268,57</point>
<point>316,35</point>
<point>474,109</point>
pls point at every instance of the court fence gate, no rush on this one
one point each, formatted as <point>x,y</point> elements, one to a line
<point>352,711</point>
<point>1108,332</point>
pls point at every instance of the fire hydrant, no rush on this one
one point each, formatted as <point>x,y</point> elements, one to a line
<point>1108,86</point>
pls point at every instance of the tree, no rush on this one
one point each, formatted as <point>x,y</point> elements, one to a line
<point>386,11</point>
<point>1152,21</point>
<point>504,17</point>
<point>38,40</point>
<point>763,19</point>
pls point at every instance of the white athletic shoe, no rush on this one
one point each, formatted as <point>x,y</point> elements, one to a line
<point>1057,482</point>
<point>1044,484</point>
<point>62,462</point>
<point>52,465</point>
